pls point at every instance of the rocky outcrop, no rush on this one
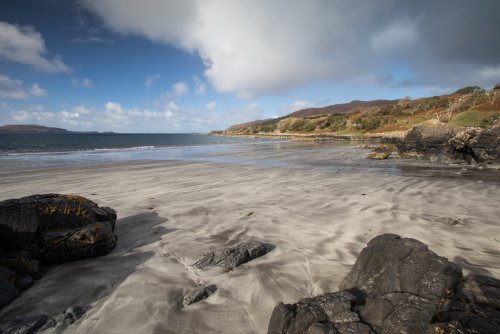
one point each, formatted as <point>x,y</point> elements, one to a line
<point>452,145</point>
<point>198,294</point>
<point>41,322</point>
<point>49,229</point>
<point>397,285</point>
<point>231,257</point>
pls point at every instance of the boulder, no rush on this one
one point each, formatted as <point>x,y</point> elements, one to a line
<point>49,229</point>
<point>231,257</point>
<point>397,285</point>
<point>198,294</point>
<point>74,244</point>
<point>23,220</point>
<point>327,313</point>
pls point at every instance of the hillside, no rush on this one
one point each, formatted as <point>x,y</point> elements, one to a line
<point>469,106</point>
<point>31,129</point>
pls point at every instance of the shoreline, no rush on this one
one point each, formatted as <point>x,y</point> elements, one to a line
<point>318,136</point>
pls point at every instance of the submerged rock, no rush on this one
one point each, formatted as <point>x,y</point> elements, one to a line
<point>198,294</point>
<point>397,285</point>
<point>232,257</point>
<point>49,229</point>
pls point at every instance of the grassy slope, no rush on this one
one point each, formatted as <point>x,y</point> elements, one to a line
<point>469,106</point>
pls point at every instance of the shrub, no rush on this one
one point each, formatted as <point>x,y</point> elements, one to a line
<point>469,90</point>
<point>337,122</point>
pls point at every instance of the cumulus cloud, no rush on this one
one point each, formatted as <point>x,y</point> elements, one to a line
<point>84,82</point>
<point>23,44</point>
<point>253,47</point>
<point>14,89</point>
<point>32,114</point>
<point>165,117</point>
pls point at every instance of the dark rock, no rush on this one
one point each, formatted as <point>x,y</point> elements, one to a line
<point>23,325</point>
<point>398,285</point>
<point>327,313</point>
<point>404,282</point>
<point>474,305</point>
<point>232,257</point>
<point>24,282</point>
<point>49,229</point>
<point>448,221</point>
<point>452,145</point>
<point>73,313</point>
<point>8,289</point>
<point>198,294</point>
<point>22,262</point>
<point>89,241</point>
<point>23,220</point>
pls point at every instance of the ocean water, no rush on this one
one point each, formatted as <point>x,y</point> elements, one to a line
<point>47,150</point>
<point>59,150</point>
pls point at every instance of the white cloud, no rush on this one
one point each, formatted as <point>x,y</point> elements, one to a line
<point>69,114</point>
<point>23,44</point>
<point>81,110</point>
<point>211,105</point>
<point>37,91</point>
<point>14,89</point>
<point>255,47</point>
<point>36,114</point>
<point>84,82</point>
<point>151,79</point>
<point>180,88</point>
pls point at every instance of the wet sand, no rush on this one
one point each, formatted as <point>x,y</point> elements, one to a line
<point>319,217</point>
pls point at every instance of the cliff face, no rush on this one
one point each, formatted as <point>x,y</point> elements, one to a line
<point>467,107</point>
<point>31,129</point>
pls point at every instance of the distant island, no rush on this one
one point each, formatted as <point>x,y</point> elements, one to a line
<point>38,129</point>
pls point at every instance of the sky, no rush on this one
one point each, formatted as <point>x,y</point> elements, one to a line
<point>172,66</point>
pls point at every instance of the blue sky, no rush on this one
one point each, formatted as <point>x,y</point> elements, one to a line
<point>196,66</point>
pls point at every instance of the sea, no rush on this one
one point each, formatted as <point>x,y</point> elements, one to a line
<point>50,150</point>
<point>25,151</point>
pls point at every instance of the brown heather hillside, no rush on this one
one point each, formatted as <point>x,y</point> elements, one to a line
<point>467,107</point>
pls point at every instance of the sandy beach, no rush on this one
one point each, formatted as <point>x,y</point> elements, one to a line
<point>318,216</point>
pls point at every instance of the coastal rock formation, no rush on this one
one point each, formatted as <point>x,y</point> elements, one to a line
<point>49,229</point>
<point>397,285</point>
<point>41,322</point>
<point>198,294</point>
<point>232,257</point>
<point>449,145</point>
